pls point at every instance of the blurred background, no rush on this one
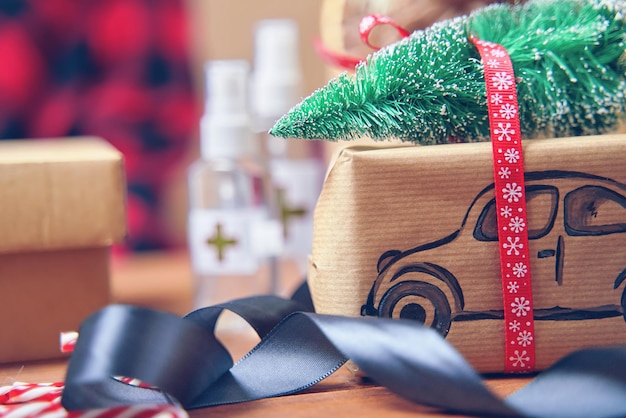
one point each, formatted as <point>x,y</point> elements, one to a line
<point>131,72</point>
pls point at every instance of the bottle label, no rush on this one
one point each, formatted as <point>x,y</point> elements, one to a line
<point>298,184</point>
<point>220,241</point>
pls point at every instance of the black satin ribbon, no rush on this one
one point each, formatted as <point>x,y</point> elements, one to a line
<point>182,357</point>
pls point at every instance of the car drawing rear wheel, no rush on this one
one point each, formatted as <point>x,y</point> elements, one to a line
<point>418,301</point>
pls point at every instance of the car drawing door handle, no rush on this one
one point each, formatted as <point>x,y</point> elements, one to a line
<point>559,254</point>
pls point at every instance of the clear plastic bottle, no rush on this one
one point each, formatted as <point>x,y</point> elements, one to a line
<point>227,235</point>
<point>295,175</point>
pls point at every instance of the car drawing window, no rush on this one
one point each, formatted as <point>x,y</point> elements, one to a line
<point>541,204</point>
<point>594,210</point>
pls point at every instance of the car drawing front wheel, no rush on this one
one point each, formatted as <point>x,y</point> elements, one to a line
<point>418,301</point>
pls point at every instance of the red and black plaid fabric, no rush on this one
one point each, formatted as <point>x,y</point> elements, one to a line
<point>118,69</point>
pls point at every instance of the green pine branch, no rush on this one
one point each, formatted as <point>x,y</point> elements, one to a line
<point>568,58</point>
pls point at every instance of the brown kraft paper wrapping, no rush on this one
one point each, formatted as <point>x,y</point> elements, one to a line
<point>409,232</point>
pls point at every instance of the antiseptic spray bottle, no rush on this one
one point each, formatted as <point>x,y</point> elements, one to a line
<point>295,174</point>
<point>228,232</point>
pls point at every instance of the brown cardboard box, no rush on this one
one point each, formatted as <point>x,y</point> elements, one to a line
<point>392,222</point>
<point>63,206</point>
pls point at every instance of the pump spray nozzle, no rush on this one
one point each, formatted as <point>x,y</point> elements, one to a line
<point>225,128</point>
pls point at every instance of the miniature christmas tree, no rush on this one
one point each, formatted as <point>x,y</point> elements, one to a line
<point>568,57</point>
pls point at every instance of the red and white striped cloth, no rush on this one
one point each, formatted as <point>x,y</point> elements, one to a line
<point>67,341</point>
<point>43,400</point>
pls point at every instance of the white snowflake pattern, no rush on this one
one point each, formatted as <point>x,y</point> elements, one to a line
<point>506,211</point>
<point>497,53</point>
<point>514,326</point>
<point>517,224</point>
<point>496,98</point>
<point>504,172</point>
<point>525,338</point>
<point>520,269</point>
<point>511,155</point>
<point>512,192</point>
<point>520,306</point>
<point>502,80</point>
<point>508,111</point>
<point>519,359</point>
<point>513,287</point>
<point>504,131</point>
<point>513,245</point>
<point>493,63</point>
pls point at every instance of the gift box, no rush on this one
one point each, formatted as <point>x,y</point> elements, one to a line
<point>410,232</point>
<point>63,206</point>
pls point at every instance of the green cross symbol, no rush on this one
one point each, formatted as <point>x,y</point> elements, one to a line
<point>287,212</point>
<point>220,241</point>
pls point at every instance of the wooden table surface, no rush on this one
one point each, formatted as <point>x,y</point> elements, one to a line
<point>163,281</point>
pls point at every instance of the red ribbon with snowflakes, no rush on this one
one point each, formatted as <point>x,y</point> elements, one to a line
<point>510,193</point>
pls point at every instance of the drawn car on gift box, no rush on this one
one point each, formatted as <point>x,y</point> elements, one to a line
<point>577,235</point>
